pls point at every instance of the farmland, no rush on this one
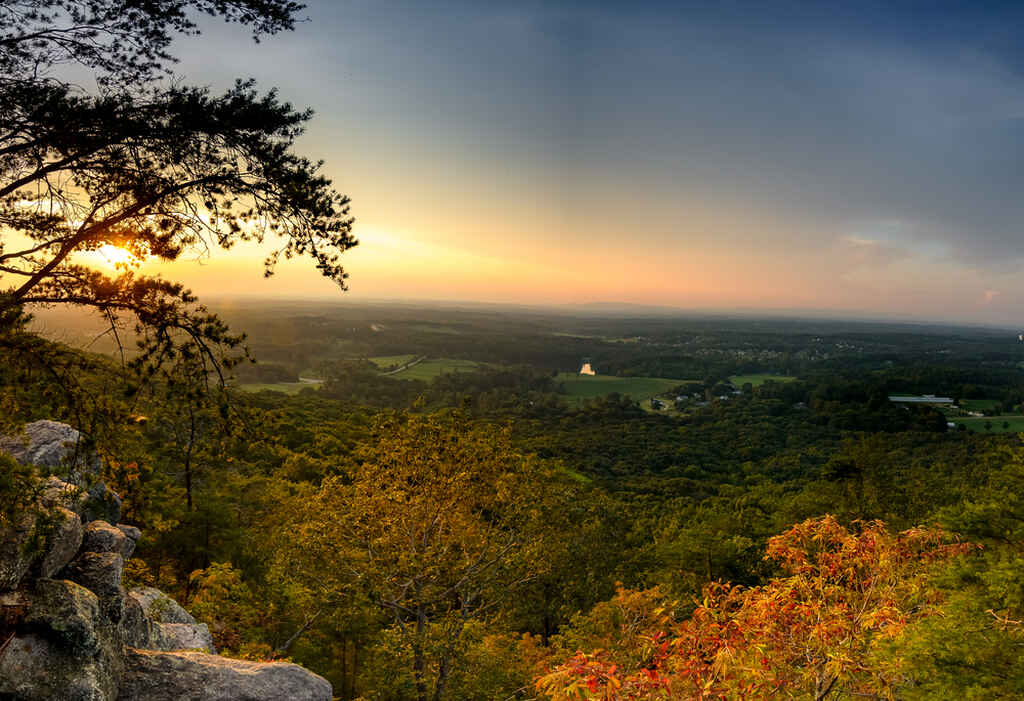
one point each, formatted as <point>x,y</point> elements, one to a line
<point>580,387</point>
<point>758,379</point>
<point>978,404</point>
<point>430,368</point>
<point>391,362</point>
<point>286,387</point>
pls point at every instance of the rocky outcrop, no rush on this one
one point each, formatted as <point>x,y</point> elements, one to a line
<point>171,676</point>
<point>101,537</point>
<point>101,574</point>
<point>35,667</point>
<point>182,636</point>
<point>62,450</point>
<point>63,541</point>
<point>68,628</point>
<point>68,611</point>
<point>50,444</point>
<point>159,607</point>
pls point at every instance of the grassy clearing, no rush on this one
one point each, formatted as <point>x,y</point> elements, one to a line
<point>286,387</point>
<point>758,379</point>
<point>1015,424</point>
<point>580,387</point>
<point>436,328</point>
<point>432,367</point>
<point>978,404</point>
<point>385,362</point>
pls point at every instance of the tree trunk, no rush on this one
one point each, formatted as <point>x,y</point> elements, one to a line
<point>344,668</point>
<point>355,668</point>
<point>419,657</point>
<point>823,685</point>
<point>302,629</point>
<point>442,678</point>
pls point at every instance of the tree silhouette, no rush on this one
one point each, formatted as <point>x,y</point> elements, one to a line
<point>147,165</point>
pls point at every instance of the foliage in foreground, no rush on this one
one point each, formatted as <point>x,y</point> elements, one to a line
<point>812,633</point>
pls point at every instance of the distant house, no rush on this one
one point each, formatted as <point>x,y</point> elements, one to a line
<point>586,369</point>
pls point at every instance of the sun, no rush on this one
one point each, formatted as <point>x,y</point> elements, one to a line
<point>115,256</point>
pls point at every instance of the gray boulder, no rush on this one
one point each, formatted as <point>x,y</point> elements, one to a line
<point>68,612</point>
<point>101,537</point>
<point>135,628</point>
<point>132,533</point>
<point>62,542</point>
<point>159,607</point>
<point>101,574</point>
<point>51,444</point>
<point>139,631</point>
<point>62,648</point>
<point>183,636</point>
<point>57,446</point>
<point>34,667</point>
<point>171,676</point>
<point>58,493</point>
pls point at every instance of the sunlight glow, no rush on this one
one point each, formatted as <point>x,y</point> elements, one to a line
<point>115,256</point>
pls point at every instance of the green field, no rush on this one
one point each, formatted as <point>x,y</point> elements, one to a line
<point>432,367</point>
<point>583,387</point>
<point>978,404</point>
<point>286,387</point>
<point>387,361</point>
<point>758,379</point>
<point>1016,423</point>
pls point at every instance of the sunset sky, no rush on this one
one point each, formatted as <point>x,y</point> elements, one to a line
<point>856,157</point>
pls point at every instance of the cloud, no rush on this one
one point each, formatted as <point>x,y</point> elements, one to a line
<point>856,252</point>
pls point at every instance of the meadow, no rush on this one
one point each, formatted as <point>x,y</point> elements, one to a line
<point>391,362</point>
<point>978,404</point>
<point>758,379</point>
<point>432,367</point>
<point>580,387</point>
<point>285,387</point>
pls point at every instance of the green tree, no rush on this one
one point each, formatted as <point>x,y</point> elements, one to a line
<point>145,164</point>
<point>436,526</point>
<point>975,649</point>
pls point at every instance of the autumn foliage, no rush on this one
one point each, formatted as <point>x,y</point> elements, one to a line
<point>813,632</point>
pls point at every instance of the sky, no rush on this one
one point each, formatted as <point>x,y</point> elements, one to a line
<point>853,158</point>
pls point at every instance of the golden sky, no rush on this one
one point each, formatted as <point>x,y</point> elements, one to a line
<point>666,154</point>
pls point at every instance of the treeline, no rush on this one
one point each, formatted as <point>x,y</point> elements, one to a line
<point>285,522</point>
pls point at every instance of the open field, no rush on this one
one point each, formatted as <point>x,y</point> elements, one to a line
<point>758,379</point>
<point>1015,423</point>
<point>978,404</point>
<point>580,387</point>
<point>286,387</point>
<point>432,367</point>
<point>389,361</point>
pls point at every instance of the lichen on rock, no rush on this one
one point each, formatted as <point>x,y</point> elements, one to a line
<point>73,633</point>
<point>171,676</point>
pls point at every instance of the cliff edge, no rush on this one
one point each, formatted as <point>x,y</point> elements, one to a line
<point>69,629</point>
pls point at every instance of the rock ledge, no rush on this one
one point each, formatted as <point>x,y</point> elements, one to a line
<point>73,633</point>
